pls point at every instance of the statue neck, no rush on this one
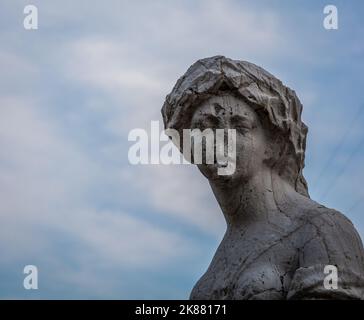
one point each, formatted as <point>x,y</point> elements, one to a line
<point>257,200</point>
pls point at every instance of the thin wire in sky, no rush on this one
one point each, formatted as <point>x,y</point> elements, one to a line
<point>339,145</point>
<point>339,173</point>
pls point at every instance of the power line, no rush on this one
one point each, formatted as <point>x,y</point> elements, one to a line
<point>356,203</point>
<point>340,172</point>
<point>339,145</point>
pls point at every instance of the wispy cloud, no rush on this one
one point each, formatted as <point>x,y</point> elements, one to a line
<point>71,91</point>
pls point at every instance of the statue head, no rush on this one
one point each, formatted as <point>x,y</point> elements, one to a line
<point>220,93</point>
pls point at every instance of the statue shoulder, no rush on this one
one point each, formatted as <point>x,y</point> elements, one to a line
<point>331,238</point>
<point>330,222</point>
<point>328,239</point>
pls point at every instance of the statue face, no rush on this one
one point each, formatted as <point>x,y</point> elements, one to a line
<point>230,112</point>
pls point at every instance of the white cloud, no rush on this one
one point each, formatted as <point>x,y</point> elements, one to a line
<point>134,88</point>
<point>139,72</point>
<point>16,71</point>
<point>180,192</point>
<point>138,65</point>
<point>122,240</point>
<point>44,180</point>
<point>127,56</point>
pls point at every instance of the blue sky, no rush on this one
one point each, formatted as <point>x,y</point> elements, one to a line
<point>71,204</point>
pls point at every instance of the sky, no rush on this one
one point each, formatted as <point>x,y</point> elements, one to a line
<point>71,204</point>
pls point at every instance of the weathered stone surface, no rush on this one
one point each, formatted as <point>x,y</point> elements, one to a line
<point>278,240</point>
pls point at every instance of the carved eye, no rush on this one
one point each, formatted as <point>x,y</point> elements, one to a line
<point>199,125</point>
<point>208,122</point>
<point>211,121</point>
<point>241,124</point>
<point>241,129</point>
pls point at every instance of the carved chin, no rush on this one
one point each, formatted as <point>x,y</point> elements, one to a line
<point>211,173</point>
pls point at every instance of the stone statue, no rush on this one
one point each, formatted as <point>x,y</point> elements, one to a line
<point>278,241</point>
